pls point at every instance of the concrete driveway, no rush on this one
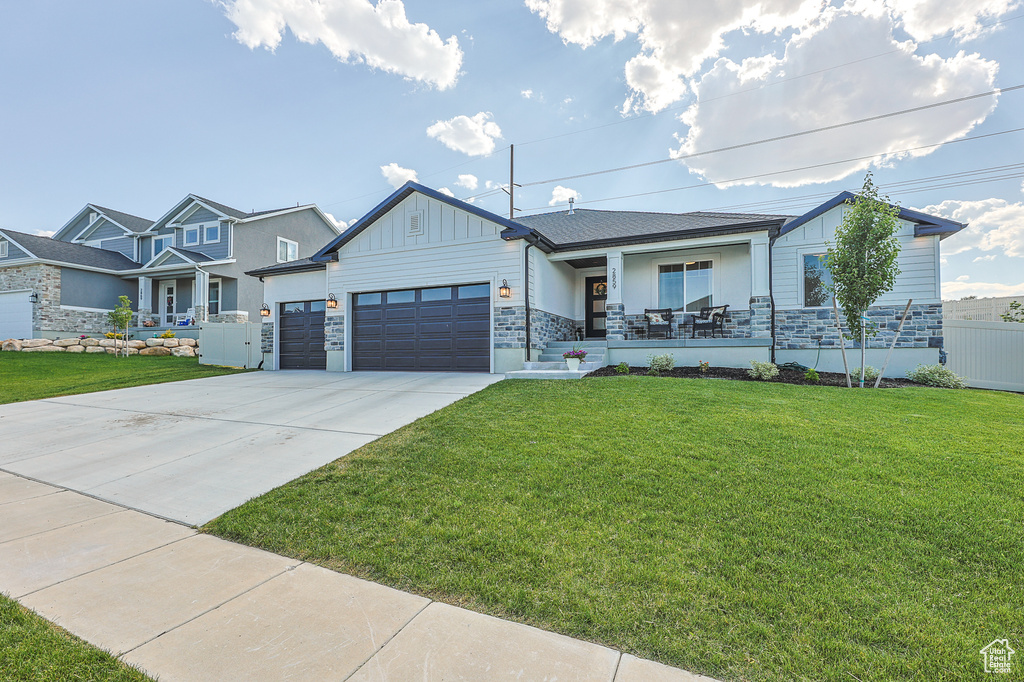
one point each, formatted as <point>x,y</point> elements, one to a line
<point>191,450</point>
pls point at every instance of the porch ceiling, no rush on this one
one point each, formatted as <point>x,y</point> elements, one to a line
<point>591,262</point>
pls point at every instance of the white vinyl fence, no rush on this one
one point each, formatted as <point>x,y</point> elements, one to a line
<point>987,354</point>
<point>981,309</point>
<point>235,344</point>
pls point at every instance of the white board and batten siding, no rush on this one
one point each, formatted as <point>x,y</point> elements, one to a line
<point>918,261</point>
<point>986,354</point>
<point>449,246</point>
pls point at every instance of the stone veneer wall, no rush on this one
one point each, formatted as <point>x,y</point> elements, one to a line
<point>510,327</point>
<point>804,328</point>
<point>546,327</point>
<point>47,315</point>
<point>615,322</point>
<point>754,322</point>
<point>267,337</point>
<point>334,332</point>
<point>226,317</point>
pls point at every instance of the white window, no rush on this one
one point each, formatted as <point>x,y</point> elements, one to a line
<point>212,235</point>
<point>93,216</point>
<point>191,235</point>
<point>161,242</point>
<point>685,286</point>
<point>817,280</point>
<point>3,248</point>
<point>287,250</point>
<point>214,302</point>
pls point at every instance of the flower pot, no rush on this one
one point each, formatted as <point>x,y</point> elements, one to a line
<point>573,363</point>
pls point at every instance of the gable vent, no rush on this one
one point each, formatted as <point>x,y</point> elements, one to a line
<point>414,223</point>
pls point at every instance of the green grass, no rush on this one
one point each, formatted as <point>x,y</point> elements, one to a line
<point>31,648</point>
<point>744,531</point>
<point>31,376</point>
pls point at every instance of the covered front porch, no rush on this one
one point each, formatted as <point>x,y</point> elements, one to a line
<point>184,298</point>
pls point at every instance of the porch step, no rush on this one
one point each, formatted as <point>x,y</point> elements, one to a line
<point>554,365</point>
<point>592,359</point>
<point>544,374</point>
<point>586,345</point>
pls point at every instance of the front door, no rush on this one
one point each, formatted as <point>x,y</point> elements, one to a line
<point>167,300</point>
<point>596,295</point>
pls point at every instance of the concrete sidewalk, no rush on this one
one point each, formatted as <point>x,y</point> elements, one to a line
<point>185,606</point>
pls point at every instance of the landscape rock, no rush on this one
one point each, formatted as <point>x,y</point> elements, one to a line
<point>75,349</point>
<point>107,343</point>
<point>154,343</point>
<point>43,349</point>
<point>12,344</point>
<point>35,343</point>
<point>183,352</point>
<point>90,342</point>
<point>136,344</point>
<point>187,342</point>
<point>95,349</point>
<point>170,343</point>
<point>66,342</point>
<point>155,350</point>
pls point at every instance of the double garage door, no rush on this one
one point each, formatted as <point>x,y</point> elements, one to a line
<point>437,329</point>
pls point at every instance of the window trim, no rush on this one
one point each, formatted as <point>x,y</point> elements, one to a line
<point>716,261</point>
<point>161,237</point>
<point>3,248</point>
<point>190,228</point>
<point>290,243</point>
<point>801,293</point>
<point>220,295</point>
<point>206,233</point>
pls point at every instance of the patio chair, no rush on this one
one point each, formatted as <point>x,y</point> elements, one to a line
<point>709,319</point>
<point>659,321</point>
<point>189,318</point>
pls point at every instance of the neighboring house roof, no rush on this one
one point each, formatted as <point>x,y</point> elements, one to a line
<point>185,256</point>
<point>300,265</point>
<point>234,214</point>
<point>132,222</point>
<point>191,255</point>
<point>924,224</point>
<point>45,248</point>
<point>221,208</point>
<point>586,227</point>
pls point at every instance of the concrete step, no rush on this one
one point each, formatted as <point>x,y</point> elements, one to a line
<point>560,364</point>
<point>557,357</point>
<point>544,374</point>
<point>568,345</point>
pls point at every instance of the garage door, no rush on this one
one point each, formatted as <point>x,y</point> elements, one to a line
<point>15,315</point>
<point>433,330</point>
<point>300,336</point>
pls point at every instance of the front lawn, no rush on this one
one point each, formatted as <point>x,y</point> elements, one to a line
<point>31,376</point>
<point>744,531</point>
<point>33,649</point>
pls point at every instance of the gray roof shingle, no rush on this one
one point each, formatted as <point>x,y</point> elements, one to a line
<point>591,225</point>
<point>194,255</point>
<point>132,222</point>
<point>73,254</point>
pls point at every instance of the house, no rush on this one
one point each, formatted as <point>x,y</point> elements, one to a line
<point>193,257</point>
<point>427,282</point>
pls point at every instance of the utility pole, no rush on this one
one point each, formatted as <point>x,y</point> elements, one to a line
<point>511,182</point>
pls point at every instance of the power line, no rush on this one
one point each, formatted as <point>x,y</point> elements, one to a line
<point>778,138</point>
<point>788,170</point>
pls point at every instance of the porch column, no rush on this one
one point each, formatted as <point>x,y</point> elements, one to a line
<point>145,306</point>
<point>614,308</point>
<point>760,290</point>
<point>201,304</point>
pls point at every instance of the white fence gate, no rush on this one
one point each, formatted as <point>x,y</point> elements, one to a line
<point>235,344</point>
<point>986,354</point>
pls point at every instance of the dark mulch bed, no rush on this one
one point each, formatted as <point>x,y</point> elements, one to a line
<point>786,376</point>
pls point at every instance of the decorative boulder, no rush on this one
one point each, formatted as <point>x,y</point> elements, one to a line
<point>136,344</point>
<point>155,350</point>
<point>43,349</point>
<point>76,349</point>
<point>90,342</point>
<point>131,351</point>
<point>170,343</point>
<point>154,343</point>
<point>35,343</point>
<point>95,349</point>
<point>66,342</point>
<point>183,352</point>
<point>12,344</point>
<point>187,342</point>
<point>107,343</point>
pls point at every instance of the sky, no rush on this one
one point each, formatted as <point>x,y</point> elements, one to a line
<point>261,104</point>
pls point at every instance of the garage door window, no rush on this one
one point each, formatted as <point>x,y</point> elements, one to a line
<point>408,296</point>
<point>474,291</point>
<point>440,294</point>
<point>368,299</point>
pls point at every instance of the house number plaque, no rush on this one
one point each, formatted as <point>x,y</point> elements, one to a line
<point>614,285</point>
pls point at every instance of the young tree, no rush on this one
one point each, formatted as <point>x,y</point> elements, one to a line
<point>863,259</point>
<point>120,317</point>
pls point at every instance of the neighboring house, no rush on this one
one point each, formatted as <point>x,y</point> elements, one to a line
<point>193,257</point>
<point>420,285</point>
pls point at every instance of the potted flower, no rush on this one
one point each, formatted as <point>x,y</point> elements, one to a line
<point>574,357</point>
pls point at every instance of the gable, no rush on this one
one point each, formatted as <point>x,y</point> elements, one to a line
<point>168,257</point>
<point>100,229</point>
<point>198,214</point>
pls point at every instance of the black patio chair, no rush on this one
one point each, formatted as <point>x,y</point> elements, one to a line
<point>659,321</point>
<point>709,319</point>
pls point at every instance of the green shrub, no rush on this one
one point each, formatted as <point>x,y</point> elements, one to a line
<point>763,371</point>
<point>870,373</point>
<point>812,376</point>
<point>661,363</point>
<point>622,368</point>
<point>935,375</point>
<point>653,373</point>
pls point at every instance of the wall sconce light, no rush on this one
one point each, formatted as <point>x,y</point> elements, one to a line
<point>505,291</point>
<point>332,302</point>
<point>34,297</point>
<point>265,311</point>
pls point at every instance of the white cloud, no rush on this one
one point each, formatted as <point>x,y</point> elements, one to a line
<point>446,191</point>
<point>379,35</point>
<point>561,195</point>
<point>398,176</point>
<point>961,288</point>
<point>340,223</point>
<point>473,136</point>
<point>468,180</point>
<point>925,19</point>
<point>45,233</point>
<point>982,259</point>
<point>526,93</point>
<point>995,224</point>
<point>823,99</point>
<point>963,278</point>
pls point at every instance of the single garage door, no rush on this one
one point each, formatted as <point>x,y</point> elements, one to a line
<point>15,315</point>
<point>441,329</point>
<point>300,336</point>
